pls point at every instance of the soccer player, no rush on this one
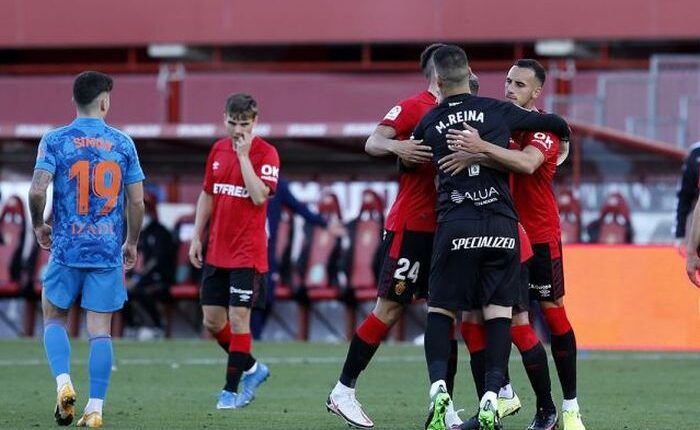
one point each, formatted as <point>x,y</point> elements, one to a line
<point>407,244</point>
<point>92,166</point>
<point>241,173</point>
<point>476,256</point>
<point>534,165</point>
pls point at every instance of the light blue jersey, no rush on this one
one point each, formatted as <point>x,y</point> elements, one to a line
<point>91,164</point>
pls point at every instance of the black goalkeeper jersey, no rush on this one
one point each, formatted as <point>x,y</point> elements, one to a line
<point>479,191</point>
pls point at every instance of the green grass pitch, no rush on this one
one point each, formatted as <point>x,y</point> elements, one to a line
<point>174,384</point>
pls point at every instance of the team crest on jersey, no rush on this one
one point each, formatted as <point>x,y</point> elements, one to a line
<point>400,287</point>
<point>393,113</point>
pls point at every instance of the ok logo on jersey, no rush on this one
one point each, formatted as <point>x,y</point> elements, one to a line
<point>544,140</point>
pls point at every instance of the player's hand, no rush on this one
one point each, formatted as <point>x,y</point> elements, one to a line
<point>243,143</point>
<point>680,244</point>
<point>457,161</point>
<point>467,140</point>
<point>336,228</point>
<point>195,253</point>
<point>130,255</point>
<point>692,266</point>
<point>43,236</point>
<point>412,151</point>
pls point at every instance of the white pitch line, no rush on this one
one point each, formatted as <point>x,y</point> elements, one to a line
<point>208,361</point>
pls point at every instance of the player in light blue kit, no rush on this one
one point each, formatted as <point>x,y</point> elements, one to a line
<point>91,166</point>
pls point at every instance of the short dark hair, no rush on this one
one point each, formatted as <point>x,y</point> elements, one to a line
<point>88,85</point>
<point>474,84</point>
<point>535,66</point>
<point>426,56</point>
<point>241,106</point>
<point>451,64</point>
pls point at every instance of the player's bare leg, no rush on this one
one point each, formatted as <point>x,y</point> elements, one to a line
<point>564,352</point>
<point>215,320</point>
<point>99,327</point>
<point>57,348</point>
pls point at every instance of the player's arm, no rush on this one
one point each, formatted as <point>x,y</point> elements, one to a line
<point>37,204</point>
<point>687,193</point>
<point>135,209</point>
<point>526,161</point>
<point>518,118</point>
<point>205,205</point>
<point>381,142</point>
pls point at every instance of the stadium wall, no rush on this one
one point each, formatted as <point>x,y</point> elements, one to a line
<point>631,298</point>
<point>38,23</point>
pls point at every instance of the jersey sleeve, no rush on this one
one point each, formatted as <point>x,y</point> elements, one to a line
<point>401,118</point>
<point>546,143</point>
<point>134,173</point>
<point>45,156</point>
<point>518,118</point>
<point>208,185</point>
<point>269,169</point>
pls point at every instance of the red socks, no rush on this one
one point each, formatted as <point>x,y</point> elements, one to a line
<point>372,330</point>
<point>474,336</point>
<point>524,337</point>
<point>556,320</point>
<point>241,343</point>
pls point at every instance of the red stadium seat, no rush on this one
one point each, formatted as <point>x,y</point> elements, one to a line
<point>186,287</point>
<point>12,229</point>
<point>285,237</point>
<point>365,236</point>
<point>615,222</point>
<point>318,262</point>
<point>569,217</point>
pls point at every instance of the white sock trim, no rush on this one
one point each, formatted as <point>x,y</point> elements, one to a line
<point>506,392</point>
<point>435,387</point>
<point>489,395</point>
<point>62,380</point>
<point>342,388</point>
<point>570,405</point>
<point>94,405</point>
<point>252,369</point>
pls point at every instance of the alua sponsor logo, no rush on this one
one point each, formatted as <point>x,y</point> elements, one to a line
<point>479,197</point>
<point>475,242</point>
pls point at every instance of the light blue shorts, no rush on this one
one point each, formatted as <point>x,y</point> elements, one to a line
<point>102,289</point>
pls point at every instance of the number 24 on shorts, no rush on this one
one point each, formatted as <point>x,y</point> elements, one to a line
<point>404,265</point>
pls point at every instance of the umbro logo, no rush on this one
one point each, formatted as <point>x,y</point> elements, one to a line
<point>215,165</point>
<point>451,104</point>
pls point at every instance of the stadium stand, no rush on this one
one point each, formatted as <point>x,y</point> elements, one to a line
<point>319,268</point>
<point>365,233</point>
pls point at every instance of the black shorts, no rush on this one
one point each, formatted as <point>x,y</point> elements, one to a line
<point>546,272</point>
<point>475,263</point>
<point>232,287</point>
<point>522,303</point>
<point>405,265</point>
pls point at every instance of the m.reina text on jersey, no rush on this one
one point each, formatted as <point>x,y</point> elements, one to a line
<point>459,118</point>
